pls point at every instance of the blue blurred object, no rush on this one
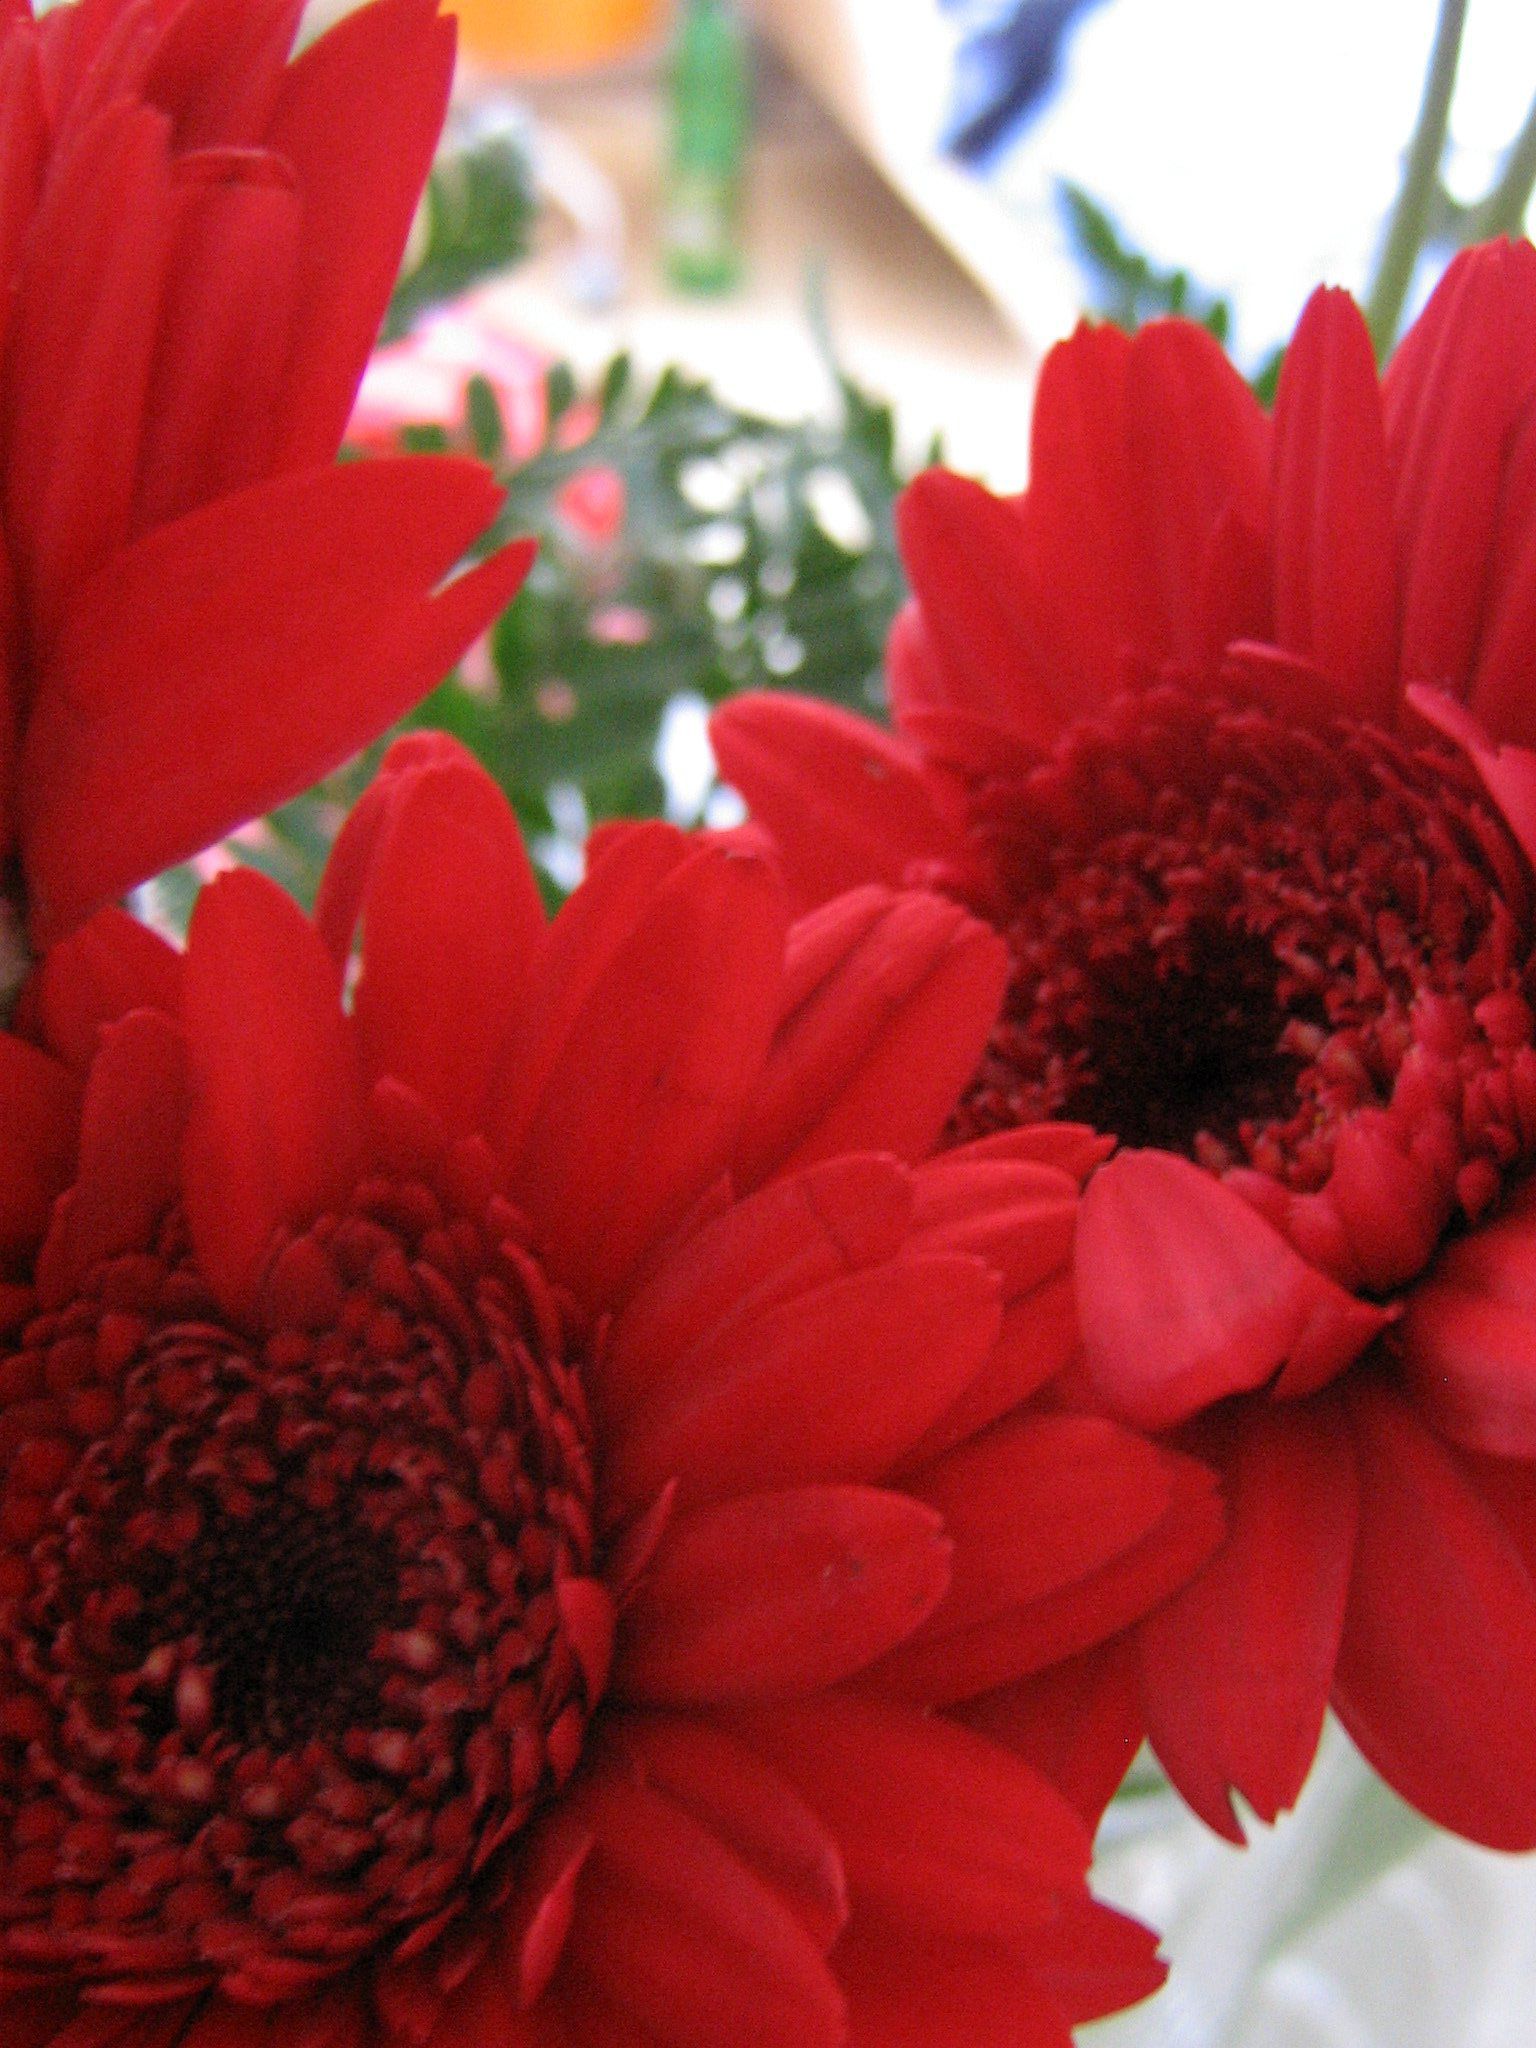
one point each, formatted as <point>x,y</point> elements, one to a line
<point>1009,59</point>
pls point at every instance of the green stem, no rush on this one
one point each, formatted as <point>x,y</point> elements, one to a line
<point>1388,292</point>
<point>1502,212</point>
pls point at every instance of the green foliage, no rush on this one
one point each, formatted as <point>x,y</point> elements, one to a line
<point>750,554</point>
<point>477,217</point>
<point>1128,289</point>
<point>1125,286</point>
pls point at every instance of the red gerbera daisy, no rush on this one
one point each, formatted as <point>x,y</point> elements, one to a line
<point>199,612</point>
<point>496,1478</point>
<point>1198,724</point>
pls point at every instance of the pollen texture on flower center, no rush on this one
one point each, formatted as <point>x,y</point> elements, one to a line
<point>1231,934</point>
<point>284,1655</point>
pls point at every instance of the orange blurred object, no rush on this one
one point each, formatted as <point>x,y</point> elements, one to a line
<point>556,35</point>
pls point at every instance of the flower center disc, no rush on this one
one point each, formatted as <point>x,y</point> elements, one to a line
<point>282,1660</point>
<point>1230,935</point>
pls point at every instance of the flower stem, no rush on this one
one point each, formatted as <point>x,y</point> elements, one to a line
<point>1388,291</point>
<point>1502,210</point>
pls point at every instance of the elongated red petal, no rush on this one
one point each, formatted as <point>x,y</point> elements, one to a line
<point>23,142</point>
<point>222,346</point>
<point>273,1135</point>
<point>1037,1505</point>
<point>732,1792</point>
<point>358,116</point>
<point>1468,1334</point>
<point>452,917</point>
<point>1499,696</point>
<point>1236,1669</point>
<point>640,1106</point>
<point>1437,1669</point>
<point>1090,576</point>
<point>217,70</point>
<point>779,1593</point>
<point>888,1002</point>
<point>799,1233</point>
<point>1079,1723</point>
<point>1197,446</point>
<point>39,1112</point>
<point>1335,547</point>
<point>681,1934</point>
<point>128,1173</point>
<point>582,944</point>
<point>970,567</point>
<point>846,802</point>
<point>1186,1294</point>
<point>1450,396</point>
<point>763,1408</point>
<point>941,1832</point>
<point>99,973</point>
<point>907,1991</point>
<point>81,343</point>
<point>228,659</point>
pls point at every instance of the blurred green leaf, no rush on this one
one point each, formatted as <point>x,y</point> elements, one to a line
<point>477,217</point>
<point>1125,286</point>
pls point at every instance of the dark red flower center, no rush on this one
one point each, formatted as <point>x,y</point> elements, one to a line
<point>284,1650</point>
<point>1231,934</point>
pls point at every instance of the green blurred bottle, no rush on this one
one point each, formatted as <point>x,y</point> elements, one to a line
<point>710,91</point>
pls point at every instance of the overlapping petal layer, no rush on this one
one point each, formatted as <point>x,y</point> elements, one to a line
<point>1225,726</point>
<point>501,1479</point>
<point>197,241</point>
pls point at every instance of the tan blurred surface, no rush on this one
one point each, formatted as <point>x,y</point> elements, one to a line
<point>906,320</point>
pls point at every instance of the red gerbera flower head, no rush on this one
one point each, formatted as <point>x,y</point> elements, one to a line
<point>200,613</point>
<point>516,1519</point>
<point>1223,725</point>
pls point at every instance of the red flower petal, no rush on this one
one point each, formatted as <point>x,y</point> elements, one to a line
<point>1468,1334</point>
<point>779,1593</point>
<point>888,1002</point>
<point>914,1991</point>
<point>226,660</point>
<point>846,801</point>
<point>977,585</point>
<point>1500,696</point>
<point>942,1833</point>
<point>795,1235</point>
<point>1450,397</point>
<point>358,116</point>
<point>217,70</point>
<point>130,1153</point>
<point>222,345</point>
<point>640,1104</point>
<point>733,1793</point>
<point>1197,448</point>
<point>273,1135</point>
<point>760,1408</point>
<point>1037,1506</point>
<point>1236,1668</point>
<point>39,1115</point>
<point>81,342</point>
<point>99,973</point>
<point>1090,577</point>
<point>1186,1294</point>
<point>1335,549</point>
<point>23,143</point>
<point>1079,1724</point>
<point>1437,1670</point>
<point>452,916</point>
<point>682,1936</point>
<point>581,946</point>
